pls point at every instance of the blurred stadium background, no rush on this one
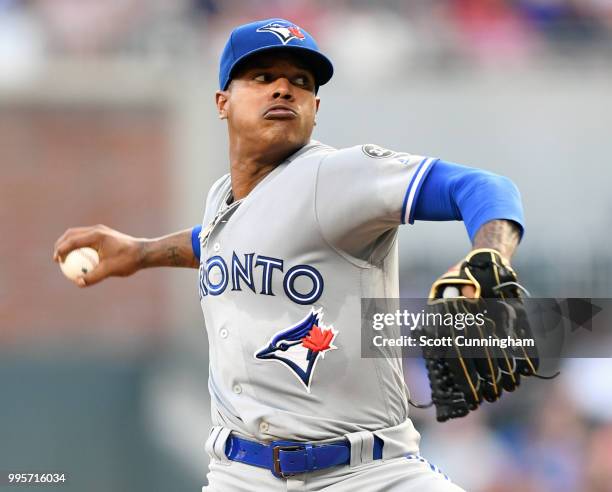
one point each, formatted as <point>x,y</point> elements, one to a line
<point>107,116</point>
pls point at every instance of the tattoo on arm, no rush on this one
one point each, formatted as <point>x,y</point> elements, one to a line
<point>180,254</point>
<point>173,250</point>
<point>173,256</point>
<point>502,235</point>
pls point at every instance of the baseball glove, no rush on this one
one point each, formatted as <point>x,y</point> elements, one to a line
<point>483,359</point>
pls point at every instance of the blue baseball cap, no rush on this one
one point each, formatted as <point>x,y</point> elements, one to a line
<point>269,35</point>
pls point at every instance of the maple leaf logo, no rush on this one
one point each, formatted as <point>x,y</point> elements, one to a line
<point>295,30</point>
<point>283,30</point>
<point>318,340</point>
<point>299,346</point>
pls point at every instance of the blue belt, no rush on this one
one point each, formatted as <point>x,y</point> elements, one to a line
<point>287,458</point>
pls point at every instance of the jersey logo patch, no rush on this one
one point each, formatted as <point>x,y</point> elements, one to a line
<point>301,346</point>
<point>375,151</point>
<point>283,31</point>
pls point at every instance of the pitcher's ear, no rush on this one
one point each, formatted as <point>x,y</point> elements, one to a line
<point>221,99</point>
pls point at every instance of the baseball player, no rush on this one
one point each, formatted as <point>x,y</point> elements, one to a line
<point>292,238</point>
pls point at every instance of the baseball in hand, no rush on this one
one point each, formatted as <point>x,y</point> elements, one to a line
<point>79,262</point>
<point>450,291</point>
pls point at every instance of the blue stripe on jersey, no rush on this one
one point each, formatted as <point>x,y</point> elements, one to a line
<point>195,241</point>
<point>414,187</point>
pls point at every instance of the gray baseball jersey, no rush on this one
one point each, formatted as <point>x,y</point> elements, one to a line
<point>281,279</point>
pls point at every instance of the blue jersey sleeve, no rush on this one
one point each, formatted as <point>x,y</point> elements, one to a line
<point>455,192</point>
<point>195,240</point>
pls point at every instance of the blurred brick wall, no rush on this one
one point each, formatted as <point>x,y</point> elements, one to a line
<point>74,165</point>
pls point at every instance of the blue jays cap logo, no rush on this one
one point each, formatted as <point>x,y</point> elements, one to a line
<point>301,346</point>
<point>285,31</point>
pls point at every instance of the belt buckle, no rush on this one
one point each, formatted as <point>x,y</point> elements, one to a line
<point>276,468</point>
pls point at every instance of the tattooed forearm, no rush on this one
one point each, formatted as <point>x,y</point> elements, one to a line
<point>502,235</point>
<point>173,256</point>
<point>174,250</point>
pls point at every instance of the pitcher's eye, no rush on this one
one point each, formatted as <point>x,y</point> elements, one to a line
<point>303,82</point>
<point>262,77</point>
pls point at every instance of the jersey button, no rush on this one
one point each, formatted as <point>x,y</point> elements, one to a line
<point>237,389</point>
<point>223,333</point>
<point>264,427</point>
<point>215,278</point>
<point>217,247</point>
